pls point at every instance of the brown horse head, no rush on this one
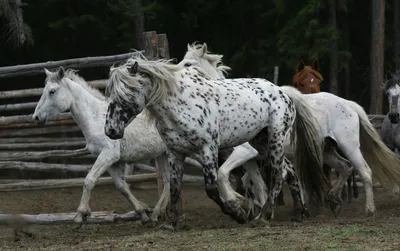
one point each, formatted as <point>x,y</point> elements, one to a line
<point>307,78</point>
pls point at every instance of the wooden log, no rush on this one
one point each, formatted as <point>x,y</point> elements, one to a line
<point>17,107</point>
<point>147,168</point>
<point>38,131</point>
<point>34,92</point>
<point>163,47</point>
<point>150,44</point>
<point>23,156</point>
<point>42,145</point>
<point>78,182</point>
<point>67,183</point>
<point>40,139</point>
<point>76,63</point>
<point>67,218</point>
<point>9,120</point>
<point>33,125</point>
<point>43,167</point>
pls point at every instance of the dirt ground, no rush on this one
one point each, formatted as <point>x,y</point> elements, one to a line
<point>204,227</point>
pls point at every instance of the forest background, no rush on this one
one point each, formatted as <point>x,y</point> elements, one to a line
<point>357,42</point>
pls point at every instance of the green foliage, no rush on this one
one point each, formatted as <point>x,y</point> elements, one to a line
<point>253,36</point>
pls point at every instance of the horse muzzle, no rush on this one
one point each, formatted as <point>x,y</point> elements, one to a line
<point>113,134</point>
<point>394,117</point>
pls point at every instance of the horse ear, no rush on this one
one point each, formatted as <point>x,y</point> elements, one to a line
<point>60,72</point>
<point>315,65</point>
<point>47,72</point>
<point>204,49</point>
<point>134,69</point>
<point>300,66</point>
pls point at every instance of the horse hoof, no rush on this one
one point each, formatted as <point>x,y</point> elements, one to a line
<point>336,207</point>
<point>370,213</point>
<point>259,223</point>
<point>150,224</point>
<point>168,227</point>
<point>297,217</point>
<point>306,212</point>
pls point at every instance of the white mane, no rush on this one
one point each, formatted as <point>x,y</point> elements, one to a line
<point>70,74</point>
<point>200,51</point>
<point>159,72</point>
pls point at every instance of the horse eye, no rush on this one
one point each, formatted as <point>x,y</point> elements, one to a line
<point>51,92</point>
<point>188,64</point>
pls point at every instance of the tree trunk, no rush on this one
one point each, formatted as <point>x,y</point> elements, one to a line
<point>377,54</point>
<point>139,24</point>
<point>396,18</point>
<point>333,68</point>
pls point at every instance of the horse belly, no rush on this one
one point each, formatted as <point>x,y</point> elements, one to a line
<point>244,125</point>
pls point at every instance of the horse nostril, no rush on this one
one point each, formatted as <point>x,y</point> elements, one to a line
<point>36,118</point>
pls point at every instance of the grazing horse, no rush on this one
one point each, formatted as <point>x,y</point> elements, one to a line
<point>345,126</point>
<point>196,115</point>
<point>307,80</point>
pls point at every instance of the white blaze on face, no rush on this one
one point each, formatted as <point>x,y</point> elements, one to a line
<point>312,80</point>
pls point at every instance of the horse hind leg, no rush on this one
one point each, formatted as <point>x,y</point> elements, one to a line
<point>273,152</point>
<point>117,173</point>
<point>300,208</point>
<point>343,168</point>
<point>354,155</point>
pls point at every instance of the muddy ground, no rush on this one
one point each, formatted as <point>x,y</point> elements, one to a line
<point>204,227</point>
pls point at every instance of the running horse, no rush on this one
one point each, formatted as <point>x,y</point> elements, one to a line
<point>307,80</point>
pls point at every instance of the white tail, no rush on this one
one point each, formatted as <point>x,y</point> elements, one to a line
<point>384,163</point>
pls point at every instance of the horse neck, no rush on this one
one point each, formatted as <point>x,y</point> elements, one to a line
<point>87,110</point>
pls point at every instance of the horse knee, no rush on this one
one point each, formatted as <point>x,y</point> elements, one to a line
<point>89,183</point>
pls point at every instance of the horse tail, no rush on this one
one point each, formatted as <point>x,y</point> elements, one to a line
<point>384,163</point>
<point>309,147</point>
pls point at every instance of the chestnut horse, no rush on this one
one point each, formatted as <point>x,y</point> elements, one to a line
<point>307,80</point>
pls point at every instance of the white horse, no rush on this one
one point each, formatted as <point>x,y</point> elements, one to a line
<point>344,124</point>
<point>65,90</point>
<point>196,116</point>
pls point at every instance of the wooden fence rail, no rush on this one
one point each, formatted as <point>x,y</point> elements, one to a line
<point>77,63</point>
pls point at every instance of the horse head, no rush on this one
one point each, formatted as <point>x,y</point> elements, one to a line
<point>307,78</point>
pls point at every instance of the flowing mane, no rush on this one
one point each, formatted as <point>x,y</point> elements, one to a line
<point>301,75</point>
<point>160,72</point>
<point>198,51</point>
<point>71,74</point>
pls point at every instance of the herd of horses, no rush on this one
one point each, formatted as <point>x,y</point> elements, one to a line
<point>261,133</point>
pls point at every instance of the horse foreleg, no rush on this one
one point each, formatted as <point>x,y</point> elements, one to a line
<point>175,165</point>
<point>161,207</point>
<point>255,189</point>
<point>240,155</point>
<point>103,162</point>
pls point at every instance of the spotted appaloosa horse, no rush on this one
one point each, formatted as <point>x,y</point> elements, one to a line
<point>344,125</point>
<point>307,80</point>
<point>196,116</point>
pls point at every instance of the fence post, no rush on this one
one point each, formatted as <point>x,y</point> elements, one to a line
<point>150,42</point>
<point>163,47</point>
<point>276,74</point>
